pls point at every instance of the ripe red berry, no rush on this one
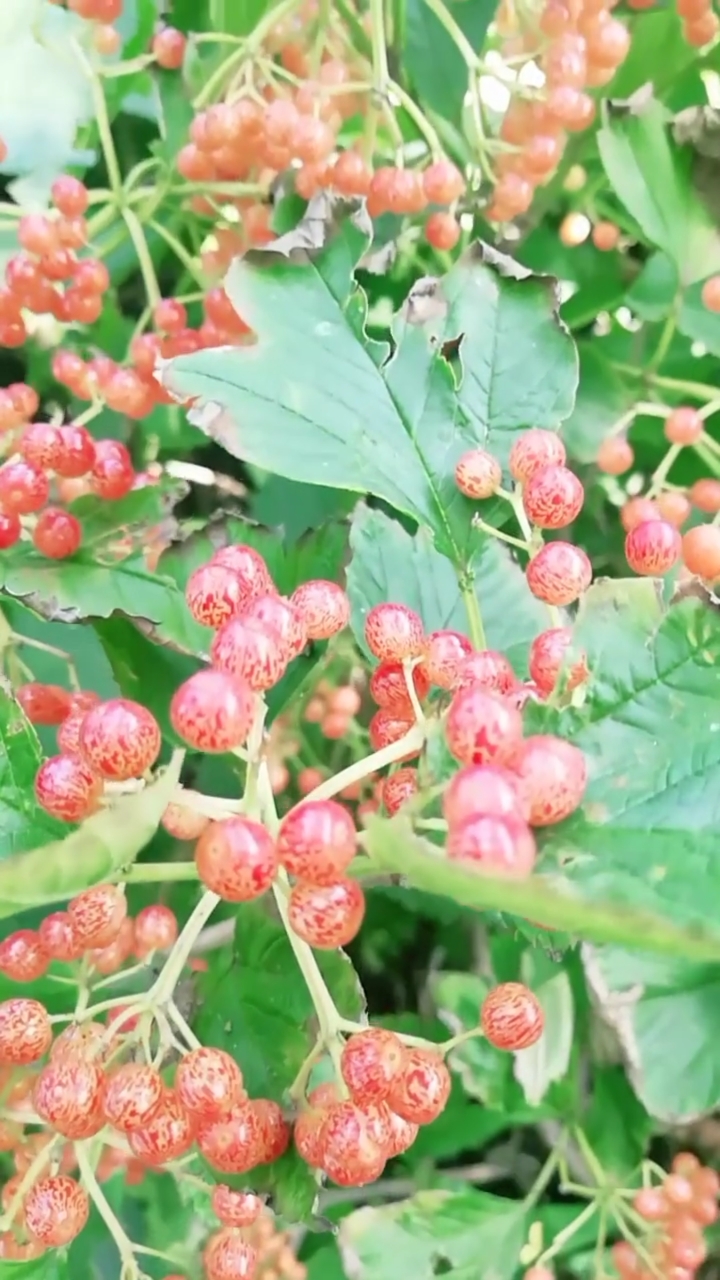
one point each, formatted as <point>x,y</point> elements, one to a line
<point>501,844</point>
<point>120,739</point>
<point>349,1154</point>
<point>251,568</point>
<point>371,1061</point>
<point>113,473</point>
<point>55,1210</point>
<point>326,916</point>
<point>323,606</point>
<point>183,822</point>
<point>41,445</point>
<point>683,425</point>
<point>547,661</point>
<point>69,195</point>
<point>57,534</point>
<point>131,1095</point>
<point>389,726</point>
<point>487,669</point>
<point>96,914</point>
<point>67,1096</point>
<point>481,728</point>
<point>483,789</point>
<point>25,1031</point>
<point>235,1208</point>
<point>212,711</point>
<point>317,841</point>
<point>78,452</point>
<point>169,315</point>
<point>393,632</point>
<point>511,1016</point>
<point>275,615</point>
<point>553,776</point>
<point>442,182</point>
<point>701,551</point>
<point>155,928</point>
<point>274,1129</point>
<point>236,858</point>
<point>615,456</point>
<point>553,497</point>
<point>58,937</point>
<point>444,653</point>
<point>653,547</point>
<point>67,788</point>
<point>169,48</point>
<point>534,450</point>
<point>23,956</point>
<point>442,231</point>
<point>421,1091</point>
<point>214,593</point>
<point>388,687</point>
<point>255,656</point>
<point>234,1143</point>
<point>166,1135</point>
<point>10,529</point>
<point>559,573</point>
<point>23,488</point>
<point>228,1256</point>
<point>398,788</point>
<point>43,703</point>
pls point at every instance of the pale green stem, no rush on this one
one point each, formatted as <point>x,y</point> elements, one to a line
<point>137,235</point>
<point>129,1268</point>
<point>412,741</point>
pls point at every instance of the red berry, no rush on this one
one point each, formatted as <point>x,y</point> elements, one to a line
<point>58,937</point>
<point>67,788</point>
<point>23,488</point>
<point>442,182</point>
<point>559,573</point>
<point>57,534</point>
<point>349,1154</point>
<point>481,728</point>
<point>548,661</point>
<point>235,1208</point>
<point>674,506</point>
<point>70,196</point>
<point>553,497</point>
<point>326,916</point>
<point>487,669</point>
<point>169,48</point>
<point>636,510</point>
<point>501,844</point>
<point>483,789</point>
<point>442,231</point>
<point>155,928</point>
<point>41,445</point>
<point>23,956</point>
<point>97,914</point>
<point>183,822</point>
<point>256,656</point>
<point>67,1096</point>
<point>212,711</point>
<point>236,858</point>
<point>511,1016</point>
<point>227,1254</point>
<point>701,551</point>
<point>251,568</point>
<point>120,739</point>
<point>43,703</point>
<point>683,426</point>
<point>209,1083</point>
<point>553,776</point>
<point>131,1095</point>
<point>421,1091</point>
<point>371,1062</point>
<point>653,547</point>
<point>235,1142</point>
<point>10,529</point>
<point>215,593</point>
<point>534,450</point>
<point>705,493</point>
<point>78,452</point>
<point>398,788</point>
<point>393,632</point>
<point>25,1031</point>
<point>388,687</point>
<point>402,1135</point>
<point>55,1210</point>
<point>615,456</point>
<point>317,841</point>
<point>389,726</point>
<point>275,1130</point>
<point>166,1135</point>
<point>444,653</point>
<point>323,607</point>
<point>276,616</point>
<point>169,315</point>
<point>113,473</point>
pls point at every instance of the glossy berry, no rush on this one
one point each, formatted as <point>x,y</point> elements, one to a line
<point>131,1095</point>
<point>67,788</point>
<point>553,497</point>
<point>274,1129</point>
<point>615,456</point>
<point>326,916</point>
<point>398,788</point>
<point>254,656</point>
<point>25,1031</point>
<point>235,1208</point>
<point>182,822</point>
<point>275,615</point>
<point>390,726</point>
<point>23,956</point>
<point>442,231</point>
<point>78,452</point>
<point>43,703</point>
<point>653,547</point>
<point>69,195</point>
<point>683,426</point>
<point>548,661</point>
<point>323,606</point>
<point>487,669</point>
<point>112,471</point>
<point>236,858</point>
<point>317,841</point>
<point>553,776</point>
<point>234,1143</point>
<point>482,728</point>
<point>166,1135</point>
<point>704,494</point>
<point>41,445</point>
<point>212,711</point>
<point>701,551</point>
<point>250,567</point>
<point>422,1089</point>
<point>388,687</point>
<point>559,573</point>
<point>711,293</point>
<point>228,1256</point>
<point>511,1016</point>
<point>58,937</point>
<point>57,534</point>
<point>155,928</point>
<point>442,182</point>
<point>349,1154</point>
<point>168,47</point>
<point>209,1083</point>
<point>67,1096</point>
<point>483,789</point>
<point>393,632</point>
<point>55,1210</point>
<point>23,488</point>
<point>534,450</point>
<point>120,739</point>
<point>500,844</point>
<point>10,529</point>
<point>371,1061</point>
<point>96,914</point>
<point>444,653</point>
<point>214,593</point>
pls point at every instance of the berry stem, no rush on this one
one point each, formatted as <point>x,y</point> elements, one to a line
<point>418,712</point>
<point>411,741</point>
<point>456,34</point>
<point>129,1269</point>
<point>475,622</point>
<point>183,1027</point>
<point>161,992</point>
<point>661,473</point>
<point>666,337</point>
<point>479,523</point>
<point>211,806</point>
<point>707,457</point>
<point>137,235</point>
<point>181,253</point>
<point>590,1158</point>
<point>418,118</point>
<point>567,1233</point>
<point>102,120</point>
<point>544,1178</point>
<point>448,1045</point>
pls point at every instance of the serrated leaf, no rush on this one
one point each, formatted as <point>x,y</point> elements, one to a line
<point>316,401</point>
<point>388,563</point>
<point>23,823</point>
<point>99,848</point>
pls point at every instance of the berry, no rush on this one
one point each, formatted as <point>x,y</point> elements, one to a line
<point>683,426</point>
<point>10,529</point>
<point>70,196</point>
<point>235,1142</point>
<point>511,1016</point>
<point>112,470</point>
<point>606,235</point>
<point>326,916</point>
<point>559,573</point>
<point>389,726</point>
<point>275,615</point>
<point>228,1256</point>
<point>615,456</point>
<point>209,1083</point>
<point>166,1135</point>
<point>547,661</point>
<point>705,494</point>
<point>442,231</point>
<point>120,739</point>
<point>275,1130</point>
<point>442,182</point>
<point>487,669</point>
<point>168,47</point>
<point>235,1208</point>
<point>25,1031</point>
<point>635,511</point>
<point>56,1210</point>
<point>212,711</point>
<point>23,488</point>
<point>483,789</point>
<point>553,497</point>
<point>255,656</point>
<point>67,1096</point>
<point>534,450</point>
<point>78,452</point>
<point>701,551</point>
<point>131,1095</point>
<point>388,687</point>
<point>398,788</point>
<point>393,632</point>
<point>349,1154</point>
<point>674,506</point>
<point>41,445</point>
<point>711,293</point>
<point>421,1091</point>
<point>58,937</point>
<point>444,653</point>
<point>553,776</point>
<point>57,534</point>
<point>43,703</point>
<point>317,841</point>
<point>67,788</point>
<point>371,1062</point>
<point>23,956</point>
<point>323,607</point>
<point>215,593</point>
<point>653,547</point>
<point>250,567</point>
<point>183,822</point>
<point>481,727</point>
<point>96,915</point>
<point>155,928</point>
<point>236,858</point>
<point>402,1135</point>
<point>501,844</point>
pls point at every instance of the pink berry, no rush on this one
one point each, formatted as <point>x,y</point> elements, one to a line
<point>478,474</point>
<point>212,711</point>
<point>10,529</point>
<point>393,632</point>
<point>487,669</point>
<point>553,497</point>
<point>317,841</point>
<point>548,661</point>
<point>398,788</point>
<point>483,789</point>
<point>275,615</point>
<point>250,567</point>
<point>533,450</point>
<point>57,534</point>
<point>683,426</point>
<point>501,844</point>
<point>559,573</point>
<point>215,593</point>
<point>326,916</point>
<point>120,739</point>
<point>323,606</point>
<point>67,788</point>
<point>41,445</point>
<point>236,858</point>
<point>553,776</point>
<point>444,653</point>
<point>23,488</point>
<point>653,547</point>
<point>482,728</point>
<point>257,657</point>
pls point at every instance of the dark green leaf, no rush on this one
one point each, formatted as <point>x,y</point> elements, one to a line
<point>618,1127</point>
<point>653,292</point>
<point>23,824</point>
<point>295,508</point>
<point>149,673</point>
<point>432,58</point>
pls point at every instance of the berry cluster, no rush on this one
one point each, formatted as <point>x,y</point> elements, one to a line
<point>700,22</point>
<point>677,1212</point>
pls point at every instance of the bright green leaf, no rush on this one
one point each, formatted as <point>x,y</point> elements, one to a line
<point>23,824</point>
<point>617,1126</point>
<point>547,1061</point>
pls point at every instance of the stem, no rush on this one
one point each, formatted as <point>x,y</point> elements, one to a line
<point>569,1231</point>
<point>590,1158</point>
<point>163,988</point>
<point>103,124</point>
<point>183,1027</point>
<point>212,806</point>
<point>150,872</point>
<point>707,457</point>
<point>418,117</point>
<point>663,346</point>
<point>456,34</point>
<point>479,523</point>
<point>137,235</point>
<point>129,1269</point>
<point>661,473</point>
<point>543,1180</point>
<point>448,1045</point>
<point>178,249</point>
<point>475,622</point>
<point>413,740</point>
<point>381,74</point>
<point>411,690</point>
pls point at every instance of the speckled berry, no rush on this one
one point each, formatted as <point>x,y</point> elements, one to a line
<point>57,534</point>
<point>212,711</point>
<point>209,1082</point>
<point>214,593</point>
<point>398,788</point>
<point>228,1256</point>
<point>326,916</point>
<point>183,822</point>
<point>166,1135</point>
<point>550,661</point>
<point>23,956</point>
<point>323,606</point>
<point>235,1208</point>
<point>534,450</point>
<point>388,726</point>
<point>236,858</point>
<point>370,1063</point>
<point>250,567</point>
<point>120,739</point>
<point>275,615</point>
<point>511,1016</point>
<point>388,687</point>
<point>553,497</point>
<point>96,914</point>
<point>559,573</point>
<point>478,474</point>
<point>421,1091</point>
<point>235,1142</point>
<point>155,928</point>
<point>486,789</point>
<point>45,704</point>
<point>275,1130</point>
<point>393,632</point>
<point>66,787</point>
<point>553,776</point>
<point>55,1210</point>
<point>67,1096</point>
<point>487,669</point>
<point>653,547</point>
<point>317,841</point>
<point>25,1031</point>
<point>256,657</point>
<point>498,843</point>
<point>482,728</point>
<point>58,937</point>
<point>444,653</point>
<point>349,1154</point>
<point>131,1094</point>
<point>23,488</point>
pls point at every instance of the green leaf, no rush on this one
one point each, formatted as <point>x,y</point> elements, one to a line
<point>106,842</point>
<point>23,824</point>
<point>653,292</point>
<point>316,401</point>
<point>257,1006</point>
<point>295,508</point>
<point>388,563</point>
<point>651,175</point>
<point>616,1124</point>
<point>547,1061</point>
<point>433,1233</point>
<point>665,1015</point>
<point>431,57</point>
<point>147,672</point>
<point>236,17</point>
